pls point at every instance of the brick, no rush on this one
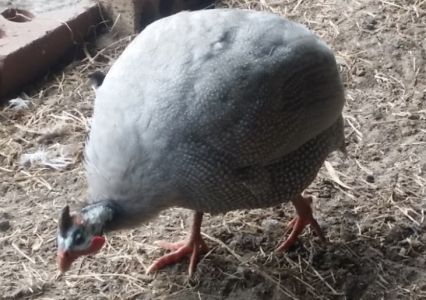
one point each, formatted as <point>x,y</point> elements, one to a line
<point>32,42</point>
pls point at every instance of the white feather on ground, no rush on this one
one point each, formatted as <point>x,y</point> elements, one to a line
<point>18,104</point>
<point>57,157</point>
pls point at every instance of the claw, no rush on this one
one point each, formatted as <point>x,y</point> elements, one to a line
<point>169,246</point>
<point>304,217</point>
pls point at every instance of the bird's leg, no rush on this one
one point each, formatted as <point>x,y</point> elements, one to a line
<point>194,246</point>
<point>303,218</point>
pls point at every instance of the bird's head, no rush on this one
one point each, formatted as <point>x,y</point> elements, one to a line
<point>77,236</point>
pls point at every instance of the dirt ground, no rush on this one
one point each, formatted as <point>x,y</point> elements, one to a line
<point>371,205</point>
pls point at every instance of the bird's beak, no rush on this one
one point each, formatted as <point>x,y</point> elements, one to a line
<point>65,260</point>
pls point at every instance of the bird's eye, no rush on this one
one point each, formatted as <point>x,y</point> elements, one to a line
<point>78,238</point>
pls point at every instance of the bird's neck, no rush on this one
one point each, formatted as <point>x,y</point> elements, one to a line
<point>101,216</point>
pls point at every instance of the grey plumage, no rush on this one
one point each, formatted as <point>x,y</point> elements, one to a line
<point>213,111</point>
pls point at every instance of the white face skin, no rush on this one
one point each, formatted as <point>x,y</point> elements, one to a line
<point>79,236</point>
<point>77,239</point>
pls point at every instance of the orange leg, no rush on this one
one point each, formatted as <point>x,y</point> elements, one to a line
<point>194,246</point>
<point>304,217</point>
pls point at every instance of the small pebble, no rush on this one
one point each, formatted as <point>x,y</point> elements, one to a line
<point>371,23</point>
<point>389,66</point>
<point>378,115</point>
<point>270,225</point>
<point>4,225</point>
<point>370,178</point>
<point>360,72</point>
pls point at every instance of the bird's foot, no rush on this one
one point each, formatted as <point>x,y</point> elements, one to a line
<point>194,247</point>
<point>304,217</point>
<point>179,251</point>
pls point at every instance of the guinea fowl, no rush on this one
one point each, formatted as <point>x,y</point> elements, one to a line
<point>212,111</point>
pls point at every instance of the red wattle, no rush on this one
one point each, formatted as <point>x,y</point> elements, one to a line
<point>97,244</point>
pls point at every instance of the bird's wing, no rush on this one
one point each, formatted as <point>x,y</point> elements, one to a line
<point>251,85</point>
